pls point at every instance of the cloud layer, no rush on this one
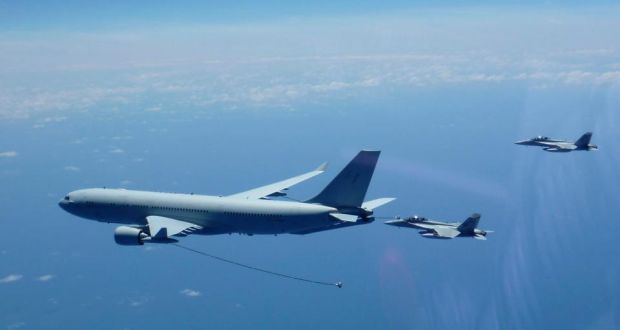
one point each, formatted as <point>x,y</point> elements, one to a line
<point>287,63</point>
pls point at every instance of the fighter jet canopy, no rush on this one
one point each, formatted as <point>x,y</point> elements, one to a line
<point>416,218</point>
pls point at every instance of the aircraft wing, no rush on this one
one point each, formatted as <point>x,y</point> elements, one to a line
<point>446,232</point>
<point>344,217</point>
<point>334,225</point>
<point>558,146</point>
<point>162,227</point>
<point>424,225</point>
<point>276,189</point>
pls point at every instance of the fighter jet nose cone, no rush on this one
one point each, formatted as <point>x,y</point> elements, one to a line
<point>395,222</point>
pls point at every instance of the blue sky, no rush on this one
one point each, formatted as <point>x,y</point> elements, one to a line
<point>214,99</point>
<point>72,15</point>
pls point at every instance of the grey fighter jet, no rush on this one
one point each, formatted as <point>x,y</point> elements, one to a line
<point>444,230</point>
<point>555,145</point>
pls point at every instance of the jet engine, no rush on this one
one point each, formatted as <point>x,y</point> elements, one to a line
<point>481,232</point>
<point>125,235</point>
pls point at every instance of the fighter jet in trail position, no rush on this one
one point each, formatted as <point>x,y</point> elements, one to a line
<point>554,145</point>
<point>445,230</point>
<point>161,217</point>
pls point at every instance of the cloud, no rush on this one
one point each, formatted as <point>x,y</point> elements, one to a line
<point>117,151</point>
<point>56,119</point>
<point>71,168</point>
<point>8,154</point>
<point>134,301</point>
<point>16,325</point>
<point>138,302</point>
<point>190,293</point>
<point>45,278</point>
<point>11,278</point>
<point>153,109</point>
<point>123,137</point>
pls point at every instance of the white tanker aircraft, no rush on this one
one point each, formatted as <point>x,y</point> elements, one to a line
<point>156,217</point>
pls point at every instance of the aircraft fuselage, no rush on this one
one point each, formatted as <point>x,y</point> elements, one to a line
<point>217,215</point>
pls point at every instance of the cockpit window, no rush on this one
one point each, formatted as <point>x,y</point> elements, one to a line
<point>67,198</point>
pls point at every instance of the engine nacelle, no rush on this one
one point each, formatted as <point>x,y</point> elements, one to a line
<point>125,235</point>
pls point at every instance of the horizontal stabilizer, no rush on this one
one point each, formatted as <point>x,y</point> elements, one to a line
<point>480,237</point>
<point>344,217</point>
<point>375,203</point>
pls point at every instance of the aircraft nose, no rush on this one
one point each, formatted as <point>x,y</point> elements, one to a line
<point>520,142</point>
<point>65,203</point>
<point>395,222</point>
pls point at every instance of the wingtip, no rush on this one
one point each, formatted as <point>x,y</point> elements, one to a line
<point>322,167</point>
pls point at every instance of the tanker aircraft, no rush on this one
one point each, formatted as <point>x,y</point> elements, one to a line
<point>157,217</point>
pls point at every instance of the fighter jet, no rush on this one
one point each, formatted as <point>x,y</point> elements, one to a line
<point>156,217</point>
<point>555,145</point>
<point>444,230</point>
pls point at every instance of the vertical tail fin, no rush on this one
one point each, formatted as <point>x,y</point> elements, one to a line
<point>584,140</point>
<point>349,187</point>
<point>468,226</point>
